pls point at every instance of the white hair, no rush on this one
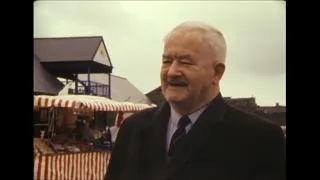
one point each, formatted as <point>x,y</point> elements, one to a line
<point>211,35</point>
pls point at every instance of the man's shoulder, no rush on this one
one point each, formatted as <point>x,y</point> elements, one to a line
<point>140,117</point>
<point>249,120</point>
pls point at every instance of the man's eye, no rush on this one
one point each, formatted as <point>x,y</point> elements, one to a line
<point>187,63</point>
<point>166,62</point>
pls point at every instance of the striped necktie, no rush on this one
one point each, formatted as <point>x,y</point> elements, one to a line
<point>179,134</point>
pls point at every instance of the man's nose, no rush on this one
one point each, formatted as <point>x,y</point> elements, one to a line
<point>174,69</point>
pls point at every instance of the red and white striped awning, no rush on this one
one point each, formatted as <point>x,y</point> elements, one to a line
<point>94,103</point>
<point>73,166</point>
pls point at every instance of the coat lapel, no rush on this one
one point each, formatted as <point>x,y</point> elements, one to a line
<point>159,128</point>
<point>199,134</point>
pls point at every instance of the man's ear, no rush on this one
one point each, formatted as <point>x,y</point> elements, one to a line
<point>219,69</point>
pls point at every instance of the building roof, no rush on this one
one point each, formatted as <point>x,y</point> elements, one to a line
<point>272,109</point>
<point>76,53</point>
<point>121,88</point>
<point>44,82</point>
<point>66,49</point>
<point>156,96</point>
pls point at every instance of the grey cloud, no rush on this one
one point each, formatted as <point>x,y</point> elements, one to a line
<point>84,14</point>
<point>255,35</point>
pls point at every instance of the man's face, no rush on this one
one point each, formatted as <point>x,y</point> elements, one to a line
<point>187,69</point>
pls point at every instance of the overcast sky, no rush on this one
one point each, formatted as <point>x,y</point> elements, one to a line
<point>133,32</point>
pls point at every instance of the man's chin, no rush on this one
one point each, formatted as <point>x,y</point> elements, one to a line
<point>175,99</point>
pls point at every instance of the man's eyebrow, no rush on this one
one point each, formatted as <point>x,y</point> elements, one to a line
<point>165,56</point>
<point>187,56</point>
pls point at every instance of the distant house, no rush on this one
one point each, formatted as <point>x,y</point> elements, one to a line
<point>84,61</point>
<point>275,113</point>
<point>66,57</point>
<point>271,109</point>
<point>245,103</point>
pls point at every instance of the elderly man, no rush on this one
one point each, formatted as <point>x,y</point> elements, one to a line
<point>195,135</point>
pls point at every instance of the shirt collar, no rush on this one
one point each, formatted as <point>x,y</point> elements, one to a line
<point>193,116</point>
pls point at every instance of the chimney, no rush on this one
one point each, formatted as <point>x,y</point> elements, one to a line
<point>277,104</point>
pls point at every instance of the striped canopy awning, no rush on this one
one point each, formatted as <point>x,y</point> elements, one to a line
<point>87,102</point>
<point>72,166</point>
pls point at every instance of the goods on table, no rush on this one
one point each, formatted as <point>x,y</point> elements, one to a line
<point>40,147</point>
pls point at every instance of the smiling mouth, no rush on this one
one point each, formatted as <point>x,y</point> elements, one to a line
<point>177,84</point>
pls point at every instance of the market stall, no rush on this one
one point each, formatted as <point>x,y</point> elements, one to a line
<point>86,102</point>
<point>73,162</point>
<point>73,166</point>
